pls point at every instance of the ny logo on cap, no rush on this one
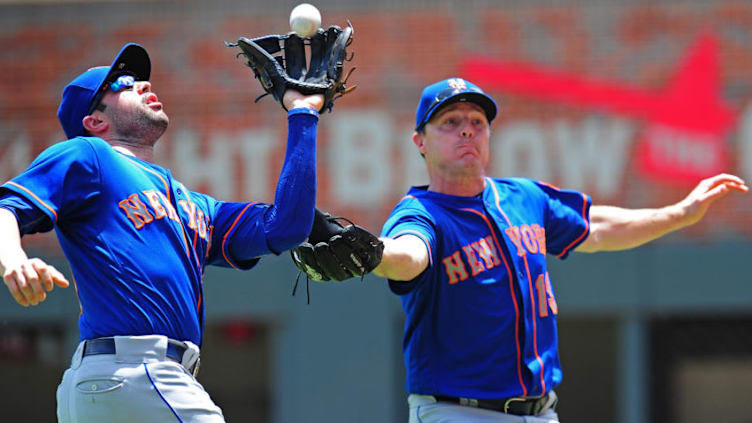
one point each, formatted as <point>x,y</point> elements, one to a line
<point>457,83</point>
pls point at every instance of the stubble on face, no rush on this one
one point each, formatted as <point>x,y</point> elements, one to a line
<point>141,125</point>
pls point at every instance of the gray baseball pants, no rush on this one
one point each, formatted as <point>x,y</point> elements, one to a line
<point>136,384</point>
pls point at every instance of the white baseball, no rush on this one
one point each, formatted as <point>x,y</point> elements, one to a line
<point>305,19</point>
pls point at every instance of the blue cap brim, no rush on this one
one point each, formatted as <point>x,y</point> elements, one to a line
<point>484,101</point>
<point>132,59</point>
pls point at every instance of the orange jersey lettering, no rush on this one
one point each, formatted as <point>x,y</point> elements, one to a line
<point>136,211</point>
<point>486,252</point>
<point>190,209</point>
<point>513,232</point>
<point>156,205</point>
<point>171,213</point>
<point>540,235</point>
<point>528,238</point>
<point>455,268</point>
<point>475,264</point>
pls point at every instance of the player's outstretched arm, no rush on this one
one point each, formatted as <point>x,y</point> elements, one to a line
<point>27,279</point>
<point>615,228</point>
<point>403,259</point>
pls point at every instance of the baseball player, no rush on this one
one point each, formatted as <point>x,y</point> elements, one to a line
<point>466,255</point>
<point>138,242</point>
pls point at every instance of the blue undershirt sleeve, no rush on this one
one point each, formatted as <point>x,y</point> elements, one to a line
<point>289,220</point>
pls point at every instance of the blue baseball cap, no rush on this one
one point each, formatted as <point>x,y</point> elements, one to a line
<point>84,92</point>
<point>450,91</point>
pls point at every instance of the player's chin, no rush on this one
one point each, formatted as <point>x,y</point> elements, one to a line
<point>471,163</point>
<point>161,116</point>
<point>160,120</point>
<point>470,158</point>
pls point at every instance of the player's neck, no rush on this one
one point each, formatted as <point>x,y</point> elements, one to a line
<point>138,142</point>
<point>143,152</point>
<point>463,186</point>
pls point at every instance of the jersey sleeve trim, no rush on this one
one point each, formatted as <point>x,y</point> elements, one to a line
<point>422,238</point>
<point>34,196</point>
<point>580,238</point>
<point>227,236</point>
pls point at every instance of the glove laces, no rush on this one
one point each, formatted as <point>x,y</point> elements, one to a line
<point>307,287</point>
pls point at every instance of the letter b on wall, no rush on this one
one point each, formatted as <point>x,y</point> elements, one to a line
<point>359,157</point>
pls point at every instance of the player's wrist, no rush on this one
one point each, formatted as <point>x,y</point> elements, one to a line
<point>12,260</point>
<point>295,100</point>
<point>680,215</point>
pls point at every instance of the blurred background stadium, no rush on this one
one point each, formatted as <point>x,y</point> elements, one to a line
<point>630,101</point>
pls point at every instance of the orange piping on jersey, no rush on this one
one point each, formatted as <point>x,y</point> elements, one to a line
<point>164,182</point>
<point>549,185</point>
<point>167,192</point>
<point>195,254</point>
<point>35,197</point>
<point>195,230</point>
<point>405,198</point>
<point>195,233</point>
<point>587,227</point>
<point>224,239</point>
<point>535,326</point>
<point>209,233</point>
<point>75,288</point>
<point>530,286</point>
<point>419,235</point>
<point>514,299</point>
<point>198,306</point>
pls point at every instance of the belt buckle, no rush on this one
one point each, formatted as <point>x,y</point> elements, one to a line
<point>511,400</point>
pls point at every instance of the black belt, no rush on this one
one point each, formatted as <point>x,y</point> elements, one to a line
<point>516,406</point>
<point>107,346</point>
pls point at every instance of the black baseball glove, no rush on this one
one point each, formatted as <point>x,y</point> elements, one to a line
<point>336,252</point>
<point>279,62</point>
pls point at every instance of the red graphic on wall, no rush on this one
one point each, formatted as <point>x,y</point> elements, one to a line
<point>686,123</point>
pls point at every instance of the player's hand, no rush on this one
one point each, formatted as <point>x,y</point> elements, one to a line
<point>29,280</point>
<point>293,99</point>
<point>696,204</point>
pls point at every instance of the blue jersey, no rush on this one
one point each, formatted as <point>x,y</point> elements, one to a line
<point>481,319</point>
<point>138,241</point>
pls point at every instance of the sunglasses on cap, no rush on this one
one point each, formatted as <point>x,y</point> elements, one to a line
<point>440,97</point>
<point>120,83</point>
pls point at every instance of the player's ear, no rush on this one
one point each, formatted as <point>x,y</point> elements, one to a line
<point>95,123</point>
<point>419,140</point>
